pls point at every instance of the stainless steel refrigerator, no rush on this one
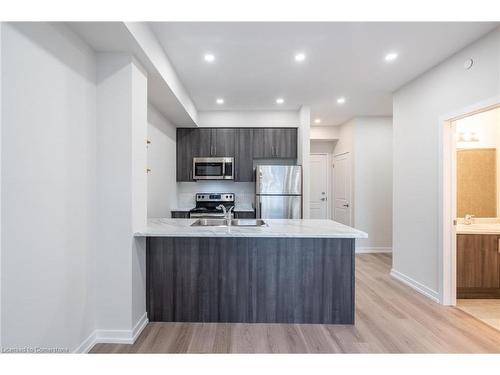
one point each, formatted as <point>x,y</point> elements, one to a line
<point>278,191</point>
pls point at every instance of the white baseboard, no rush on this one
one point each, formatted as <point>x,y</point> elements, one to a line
<point>87,344</point>
<point>368,250</point>
<point>429,293</point>
<point>102,336</point>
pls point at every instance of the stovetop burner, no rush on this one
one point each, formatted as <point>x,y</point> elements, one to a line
<point>206,203</point>
<point>204,209</point>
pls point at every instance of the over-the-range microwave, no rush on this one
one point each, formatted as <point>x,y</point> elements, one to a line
<point>213,168</point>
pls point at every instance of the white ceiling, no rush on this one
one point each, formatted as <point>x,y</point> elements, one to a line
<point>255,62</point>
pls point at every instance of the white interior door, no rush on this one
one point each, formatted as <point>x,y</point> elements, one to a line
<point>318,191</point>
<point>342,189</point>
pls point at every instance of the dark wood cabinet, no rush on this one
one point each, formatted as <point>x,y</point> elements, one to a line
<point>223,141</point>
<point>186,149</point>
<point>244,144</point>
<point>478,266</point>
<point>250,280</point>
<point>275,143</point>
<point>244,155</point>
<point>179,214</point>
<point>203,143</point>
<point>213,142</point>
<point>244,214</point>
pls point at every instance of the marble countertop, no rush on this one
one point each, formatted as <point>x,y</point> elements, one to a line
<point>242,207</point>
<point>479,226</point>
<point>483,228</point>
<point>299,228</point>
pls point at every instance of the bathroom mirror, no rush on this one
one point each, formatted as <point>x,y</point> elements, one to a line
<point>478,158</point>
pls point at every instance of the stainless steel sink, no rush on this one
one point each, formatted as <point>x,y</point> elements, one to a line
<point>248,222</point>
<point>225,223</point>
<point>210,223</point>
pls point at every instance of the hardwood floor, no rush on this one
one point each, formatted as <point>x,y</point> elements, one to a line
<point>390,318</point>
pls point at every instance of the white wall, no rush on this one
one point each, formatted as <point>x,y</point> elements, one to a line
<point>369,142</point>
<point>244,191</point>
<point>484,125</point>
<point>1,210</point>
<point>149,43</point>
<point>303,153</point>
<point>417,108</point>
<point>121,192</point>
<point>345,135</point>
<point>373,182</point>
<point>162,185</point>
<point>324,132</point>
<point>254,119</point>
<point>48,186</point>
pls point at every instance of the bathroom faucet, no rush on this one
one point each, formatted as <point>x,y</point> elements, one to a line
<point>469,219</point>
<point>227,212</point>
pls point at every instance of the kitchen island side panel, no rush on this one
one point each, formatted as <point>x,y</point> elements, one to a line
<point>250,279</point>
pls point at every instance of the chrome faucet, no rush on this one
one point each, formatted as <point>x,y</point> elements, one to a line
<point>469,219</point>
<point>227,212</point>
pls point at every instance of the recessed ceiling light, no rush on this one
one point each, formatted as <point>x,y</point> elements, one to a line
<point>317,121</point>
<point>209,57</point>
<point>340,100</point>
<point>280,100</point>
<point>219,101</point>
<point>391,56</point>
<point>299,57</point>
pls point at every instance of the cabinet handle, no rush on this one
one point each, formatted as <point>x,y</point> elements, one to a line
<point>498,247</point>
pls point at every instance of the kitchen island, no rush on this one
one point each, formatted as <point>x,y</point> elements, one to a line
<point>288,271</point>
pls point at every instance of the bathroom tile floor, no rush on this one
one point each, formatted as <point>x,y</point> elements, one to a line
<point>486,310</point>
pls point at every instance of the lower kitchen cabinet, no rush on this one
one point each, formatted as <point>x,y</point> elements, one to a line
<point>478,266</point>
<point>180,214</point>
<point>250,280</point>
<point>244,214</point>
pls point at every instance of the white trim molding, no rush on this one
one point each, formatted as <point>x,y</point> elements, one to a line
<point>429,293</point>
<point>447,197</point>
<point>87,344</point>
<point>369,250</point>
<point>102,336</point>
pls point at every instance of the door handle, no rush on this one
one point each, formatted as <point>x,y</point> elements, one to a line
<point>346,205</point>
<point>323,199</point>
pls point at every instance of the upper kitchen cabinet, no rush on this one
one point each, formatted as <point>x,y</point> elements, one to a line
<point>187,147</point>
<point>203,143</point>
<point>244,144</point>
<point>215,142</point>
<point>223,140</point>
<point>244,155</point>
<point>275,143</point>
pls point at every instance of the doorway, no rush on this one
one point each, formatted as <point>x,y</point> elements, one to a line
<point>470,272</point>
<point>319,188</point>
<point>342,189</point>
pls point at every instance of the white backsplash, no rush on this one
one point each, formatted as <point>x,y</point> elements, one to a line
<point>244,191</point>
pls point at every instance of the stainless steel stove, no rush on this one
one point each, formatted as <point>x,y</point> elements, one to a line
<point>206,205</point>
